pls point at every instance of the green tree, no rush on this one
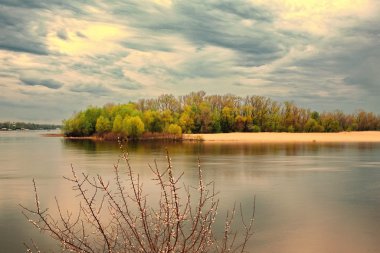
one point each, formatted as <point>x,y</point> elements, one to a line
<point>313,126</point>
<point>315,115</point>
<point>117,124</point>
<point>78,126</point>
<point>330,124</point>
<point>215,122</point>
<point>103,125</point>
<point>197,112</point>
<point>227,120</point>
<point>133,127</point>
<point>166,118</point>
<point>89,118</point>
<point>153,121</point>
<point>186,120</point>
<point>174,129</point>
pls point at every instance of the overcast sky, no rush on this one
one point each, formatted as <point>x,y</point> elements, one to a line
<point>58,56</point>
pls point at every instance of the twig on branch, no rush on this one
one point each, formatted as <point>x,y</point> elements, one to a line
<point>117,217</point>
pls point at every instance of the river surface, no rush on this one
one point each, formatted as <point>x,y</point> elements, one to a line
<point>309,197</point>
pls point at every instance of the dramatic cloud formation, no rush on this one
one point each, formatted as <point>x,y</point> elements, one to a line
<point>58,57</point>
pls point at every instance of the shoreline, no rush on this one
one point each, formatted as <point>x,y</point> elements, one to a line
<point>262,137</point>
<point>271,137</point>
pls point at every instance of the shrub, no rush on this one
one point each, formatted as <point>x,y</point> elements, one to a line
<point>254,129</point>
<point>121,219</point>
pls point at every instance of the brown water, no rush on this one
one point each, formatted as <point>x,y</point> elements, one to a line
<point>309,197</point>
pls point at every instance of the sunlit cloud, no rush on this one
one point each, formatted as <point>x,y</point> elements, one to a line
<point>166,3</point>
<point>321,54</point>
<point>319,17</point>
<point>75,37</point>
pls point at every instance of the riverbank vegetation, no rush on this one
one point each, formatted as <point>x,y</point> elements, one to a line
<point>197,112</point>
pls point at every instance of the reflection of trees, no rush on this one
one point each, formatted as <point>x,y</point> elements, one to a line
<point>90,146</point>
<point>207,148</point>
<point>231,160</point>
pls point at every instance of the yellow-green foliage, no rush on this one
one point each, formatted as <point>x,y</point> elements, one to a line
<point>103,125</point>
<point>174,129</point>
<point>198,113</point>
<point>117,124</point>
<point>133,127</point>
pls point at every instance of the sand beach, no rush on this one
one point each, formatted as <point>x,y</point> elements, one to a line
<point>341,137</point>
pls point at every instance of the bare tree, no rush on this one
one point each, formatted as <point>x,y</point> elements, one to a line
<point>116,216</point>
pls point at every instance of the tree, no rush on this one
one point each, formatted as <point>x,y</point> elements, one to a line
<point>240,123</point>
<point>90,117</point>
<point>133,127</point>
<point>313,126</point>
<point>103,125</point>
<point>153,121</point>
<point>166,118</point>
<point>118,216</point>
<point>78,126</point>
<point>186,120</point>
<point>198,113</point>
<point>215,122</point>
<point>315,115</point>
<point>329,122</point>
<point>174,129</point>
<point>168,102</point>
<point>204,115</point>
<point>227,120</point>
<point>117,126</point>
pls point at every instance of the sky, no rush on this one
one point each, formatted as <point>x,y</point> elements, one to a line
<point>58,57</point>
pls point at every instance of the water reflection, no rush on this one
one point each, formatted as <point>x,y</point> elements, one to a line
<point>310,197</point>
<point>290,149</point>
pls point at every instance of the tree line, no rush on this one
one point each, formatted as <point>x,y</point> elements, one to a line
<point>200,113</point>
<point>8,125</point>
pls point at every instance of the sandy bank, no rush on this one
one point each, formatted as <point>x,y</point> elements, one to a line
<point>366,136</point>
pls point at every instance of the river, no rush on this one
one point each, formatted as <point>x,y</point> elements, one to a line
<point>309,197</point>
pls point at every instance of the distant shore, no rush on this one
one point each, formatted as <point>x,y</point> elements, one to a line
<point>341,137</point>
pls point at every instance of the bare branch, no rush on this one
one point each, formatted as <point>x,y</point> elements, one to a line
<point>112,218</point>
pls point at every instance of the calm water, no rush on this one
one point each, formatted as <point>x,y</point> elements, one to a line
<point>309,197</point>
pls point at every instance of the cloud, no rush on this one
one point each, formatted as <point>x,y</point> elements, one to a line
<point>95,89</point>
<point>48,83</point>
<point>62,34</point>
<point>21,3</point>
<point>21,31</point>
<point>77,7</point>
<point>220,23</point>
<point>129,85</point>
<point>24,23</point>
<point>147,45</point>
<point>322,54</point>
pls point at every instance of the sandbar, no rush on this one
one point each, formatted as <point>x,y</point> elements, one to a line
<point>341,137</point>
